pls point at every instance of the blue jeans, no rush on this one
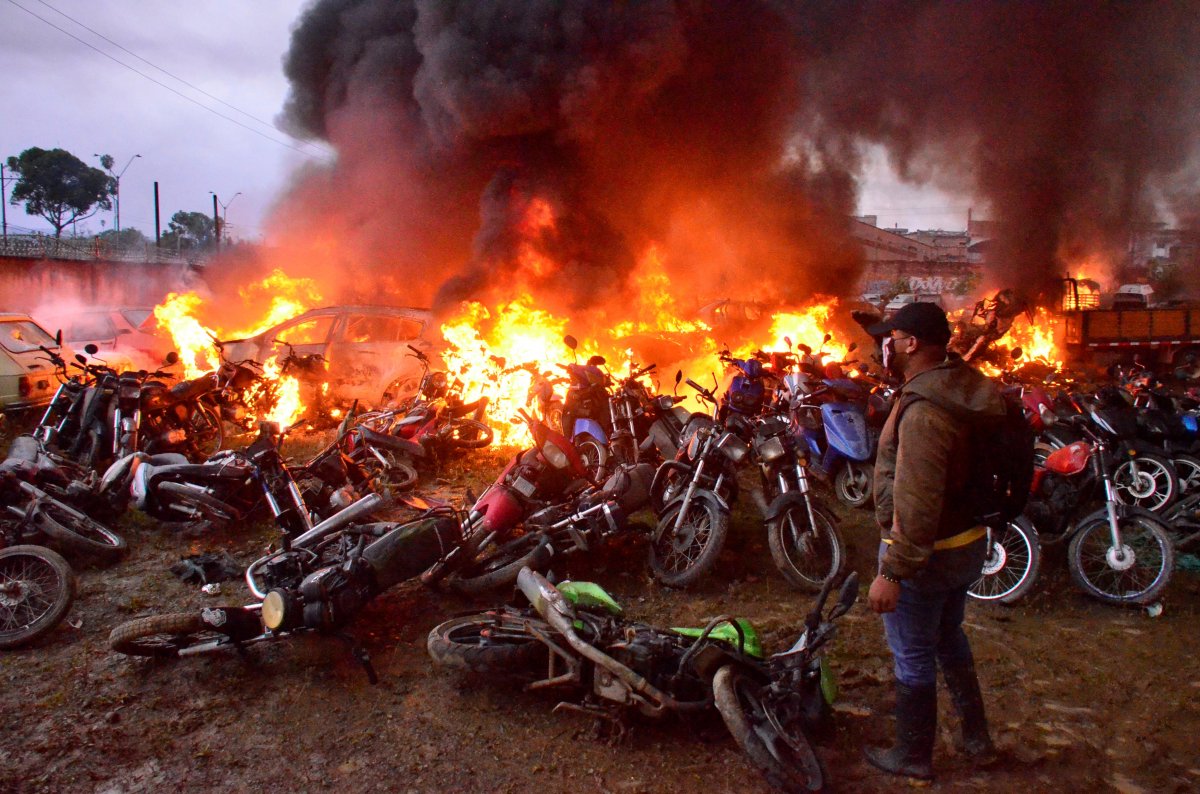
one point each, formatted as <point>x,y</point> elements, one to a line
<point>926,630</point>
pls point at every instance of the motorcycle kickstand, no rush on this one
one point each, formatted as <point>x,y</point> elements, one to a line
<point>601,716</point>
<point>360,653</point>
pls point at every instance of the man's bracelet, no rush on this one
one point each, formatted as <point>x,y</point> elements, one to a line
<point>888,577</point>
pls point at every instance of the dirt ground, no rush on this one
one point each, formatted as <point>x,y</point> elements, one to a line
<point>1081,696</point>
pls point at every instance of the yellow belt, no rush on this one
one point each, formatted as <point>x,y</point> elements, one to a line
<point>955,541</point>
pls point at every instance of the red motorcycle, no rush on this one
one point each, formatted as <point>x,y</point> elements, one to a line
<point>494,546</point>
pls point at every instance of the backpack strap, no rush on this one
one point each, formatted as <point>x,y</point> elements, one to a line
<point>906,399</point>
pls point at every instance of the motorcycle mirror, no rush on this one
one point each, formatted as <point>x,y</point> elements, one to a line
<point>678,380</point>
<point>787,340</point>
<point>596,361</point>
<point>58,337</point>
<point>91,349</point>
<point>846,596</point>
<point>827,337</point>
<point>852,348</point>
<point>1016,353</point>
<point>570,341</point>
<point>79,357</point>
<point>172,358</point>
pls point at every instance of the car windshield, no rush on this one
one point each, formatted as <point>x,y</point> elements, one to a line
<point>136,317</point>
<point>21,336</point>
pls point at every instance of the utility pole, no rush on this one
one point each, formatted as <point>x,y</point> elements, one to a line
<point>106,162</point>
<point>216,224</point>
<point>4,206</point>
<point>224,209</point>
<point>157,228</point>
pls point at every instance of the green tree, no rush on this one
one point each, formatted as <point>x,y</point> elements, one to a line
<point>189,231</point>
<point>126,238</point>
<point>59,187</point>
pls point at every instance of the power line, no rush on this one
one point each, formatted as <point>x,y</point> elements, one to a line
<point>173,76</point>
<point>164,85</point>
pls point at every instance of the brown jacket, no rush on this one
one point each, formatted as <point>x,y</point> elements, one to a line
<point>921,474</point>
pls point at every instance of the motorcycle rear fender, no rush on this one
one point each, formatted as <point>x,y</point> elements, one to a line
<point>588,427</point>
<point>501,509</point>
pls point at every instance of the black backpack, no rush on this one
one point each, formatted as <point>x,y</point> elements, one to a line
<point>1001,461</point>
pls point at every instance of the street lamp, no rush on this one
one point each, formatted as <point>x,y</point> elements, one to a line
<point>224,206</point>
<point>106,162</point>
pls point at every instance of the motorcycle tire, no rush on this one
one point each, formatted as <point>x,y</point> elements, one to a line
<point>76,535</point>
<point>788,761</point>
<point>680,561</point>
<point>1012,564</point>
<point>594,455</point>
<point>206,506</point>
<point>37,588</point>
<point>811,557</point>
<point>499,567</point>
<point>1188,469</point>
<point>1136,575</point>
<point>206,431</point>
<point>466,434</point>
<point>396,473</point>
<point>1156,487</point>
<point>854,482</point>
<point>162,636</point>
<point>472,644</point>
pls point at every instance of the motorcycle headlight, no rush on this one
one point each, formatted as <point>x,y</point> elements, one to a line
<point>555,456</point>
<point>733,447</point>
<point>280,610</point>
<point>771,449</point>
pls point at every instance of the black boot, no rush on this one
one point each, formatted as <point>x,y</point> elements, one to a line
<point>916,726</point>
<point>968,702</point>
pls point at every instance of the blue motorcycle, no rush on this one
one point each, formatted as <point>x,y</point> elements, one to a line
<point>830,417</point>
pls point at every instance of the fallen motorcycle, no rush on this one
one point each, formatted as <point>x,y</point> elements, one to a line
<point>574,638</point>
<point>37,588</point>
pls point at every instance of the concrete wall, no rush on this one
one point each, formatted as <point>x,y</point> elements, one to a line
<point>28,283</point>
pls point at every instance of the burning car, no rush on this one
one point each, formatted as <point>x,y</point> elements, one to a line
<point>27,377</point>
<point>365,349</point>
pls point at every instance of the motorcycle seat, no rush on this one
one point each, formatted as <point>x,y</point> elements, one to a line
<point>384,440</point>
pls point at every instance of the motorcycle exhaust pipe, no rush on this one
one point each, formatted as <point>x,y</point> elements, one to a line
<point>360,509</point>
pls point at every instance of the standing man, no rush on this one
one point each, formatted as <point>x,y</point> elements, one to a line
<point>933,546</point>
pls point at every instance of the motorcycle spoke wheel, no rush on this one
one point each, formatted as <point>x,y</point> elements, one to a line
<point>594,456</point>
<point>191,501</point>
<point>75,534</point>
<point>162,636</point>
<point>1136,572</point>
<point>1152,485</point>
<point>787,760</point>
<point>853,483</point>
<point>37,588</point>
<point>1011,566</point>
<point>680,557</point>
<point>396,472</point>
<point>1188,469</point>
<point>205,431</point>
<point>493,643</point>
<point>805,554</point>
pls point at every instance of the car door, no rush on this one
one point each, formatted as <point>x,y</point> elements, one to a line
<point>371,349</point>
<point>302,336</point>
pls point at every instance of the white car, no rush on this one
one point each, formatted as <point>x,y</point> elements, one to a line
<point>27,378</point>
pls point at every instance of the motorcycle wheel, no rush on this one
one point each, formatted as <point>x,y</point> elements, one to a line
<point>162,636</point>
<point>466,434</point>
<point>205,430</point>
<point>74,534</point>
<point>679,560</point>
<point>1137,573</point>
<point>396,472</point>
<point>786,759</point>
<point>37,588</point>
<point>854,482</point>
<point>500,566</point>
<point>202,504</point>
<point>480,644</point>
<point>1188,469</point>
<point>1012,564</point>
<point>806,555</point>
<point>1154,487</point>
<point>594,456</point>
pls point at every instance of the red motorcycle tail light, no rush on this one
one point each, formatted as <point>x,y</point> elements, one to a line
<point>1071,459</point>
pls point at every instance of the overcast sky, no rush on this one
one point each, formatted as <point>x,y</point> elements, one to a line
<point>61,93</point>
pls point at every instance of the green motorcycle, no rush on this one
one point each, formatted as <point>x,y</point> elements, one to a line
<point>574,637</point>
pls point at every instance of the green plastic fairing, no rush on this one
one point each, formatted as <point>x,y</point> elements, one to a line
<point>589,594</point>
<point>727,633</point>
<point>829,687</point>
